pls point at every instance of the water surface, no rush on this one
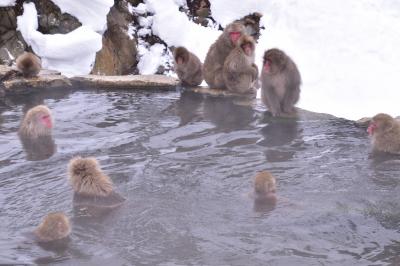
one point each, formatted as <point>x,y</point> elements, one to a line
<point>185,163</point>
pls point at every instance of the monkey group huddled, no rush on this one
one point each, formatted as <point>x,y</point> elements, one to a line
<point>230,65</point>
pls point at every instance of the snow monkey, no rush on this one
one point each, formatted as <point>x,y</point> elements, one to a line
<point>37,122</point>
<point>54,226</point>
<point>92,187</point>
<point>280,82</point>
<point>29,64</point>
<point>385,133</point>
<point>219,50</point>
<point>188,67</point>
<point>264,186</point>
<point>239,72</point>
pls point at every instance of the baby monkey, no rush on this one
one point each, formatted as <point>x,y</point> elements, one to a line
<point>92,187</point>
<point>385,133</point>
<point>188,67</point>
<point>239,72</point>
<point>54,226</point>
<point>280,82</point>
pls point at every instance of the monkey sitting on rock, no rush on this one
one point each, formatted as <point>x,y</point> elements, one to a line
<point>188,67</point>
<point>28,64</point>
<point>92,187</point>
<point>240,72</point>
<point>280,82</point>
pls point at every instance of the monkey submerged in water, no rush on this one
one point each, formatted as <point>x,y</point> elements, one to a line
<point>37,122</point>
<point>385,133</point>
<point>264,194</point>
<point>35,133</point>
<point>239,72</point>
<point>91,186</point>
<point>188,67</point>
<point>54,226</point>
<point>28,64</point>
<point>280,82</point>
<point>217,53</point>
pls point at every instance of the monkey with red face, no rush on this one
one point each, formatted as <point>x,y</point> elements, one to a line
<point>385,133</point>
<point>215,58</point>
<point>280,82</point>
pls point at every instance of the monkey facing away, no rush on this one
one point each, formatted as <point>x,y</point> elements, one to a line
<point>385,133</point>
<point>280,82</point>
<point>92,187</point>
<point>29,64</point>
<point>36,123</point>
<point>54,226</point>
<point>217,53</point>
<point>188,67</point>
<point>265,186</point>
<point>239,72</point>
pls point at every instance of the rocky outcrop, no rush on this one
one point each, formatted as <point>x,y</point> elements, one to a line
<point>125,82</point>
<point>11,42</point>
<point>118,54</point>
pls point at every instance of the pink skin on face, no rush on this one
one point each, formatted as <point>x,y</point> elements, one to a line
<point>267,66</point>
<point>247,49</point>
<point>371,128</point>
<point>179,61</point>
<point>46,120</point>
<point>235,35</point>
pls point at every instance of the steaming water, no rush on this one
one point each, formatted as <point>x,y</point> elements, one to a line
<point>185,164</point>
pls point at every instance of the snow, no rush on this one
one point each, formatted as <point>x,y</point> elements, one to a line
<point>72,53</point>
<point>347,52</point>
<point>139,10</point>
<point>91,13</point>
<point>7,2</point>
<point>151,59</point>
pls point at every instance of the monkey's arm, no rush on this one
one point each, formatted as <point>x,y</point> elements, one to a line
<point>271,99</point>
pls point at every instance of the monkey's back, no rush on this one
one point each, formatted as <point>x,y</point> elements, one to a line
<point>214,61</point>
<point>388,141</point>
<point>29,64</point>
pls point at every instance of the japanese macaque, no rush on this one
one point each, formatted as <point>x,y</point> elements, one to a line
<point>239,72</point>
<point>54,226</point>
<point>37,122</point>
<point>188,67</point>
<point>385,133</point>
<point>219,50</point>
<point>29,64</point>
<point>92,187</point>
<point>280,81</point>
<point>35,133</point>
<point>265,186</point>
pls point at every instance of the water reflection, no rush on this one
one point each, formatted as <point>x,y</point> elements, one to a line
<point>189,107</point>
<point>229,113</point>
<point>38,149</point>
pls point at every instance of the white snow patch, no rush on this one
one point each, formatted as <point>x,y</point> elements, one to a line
<point>152,59</point>
<point>146,22</point>
<point>175,28</point>
<point>7,2</point>
<point>140,9</point>
<point>226,11</point>
<point>91,13</point>
<point>131,31</point>
<point>72,53</point>
<point>144,32</point>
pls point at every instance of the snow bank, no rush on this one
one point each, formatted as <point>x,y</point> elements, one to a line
<point>91,13</point>
<point>174,27</point>
<point>151,59</point>
<point>7,2</point>
<point>72,53</point>
<point>347,52</point>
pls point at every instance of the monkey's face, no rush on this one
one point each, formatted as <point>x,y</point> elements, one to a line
<point>274,61</point>
<point>248,48</point>
<point>180,60</point>
<point>235,31</point>
<point>44,120</point>
<point>380,123</point>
